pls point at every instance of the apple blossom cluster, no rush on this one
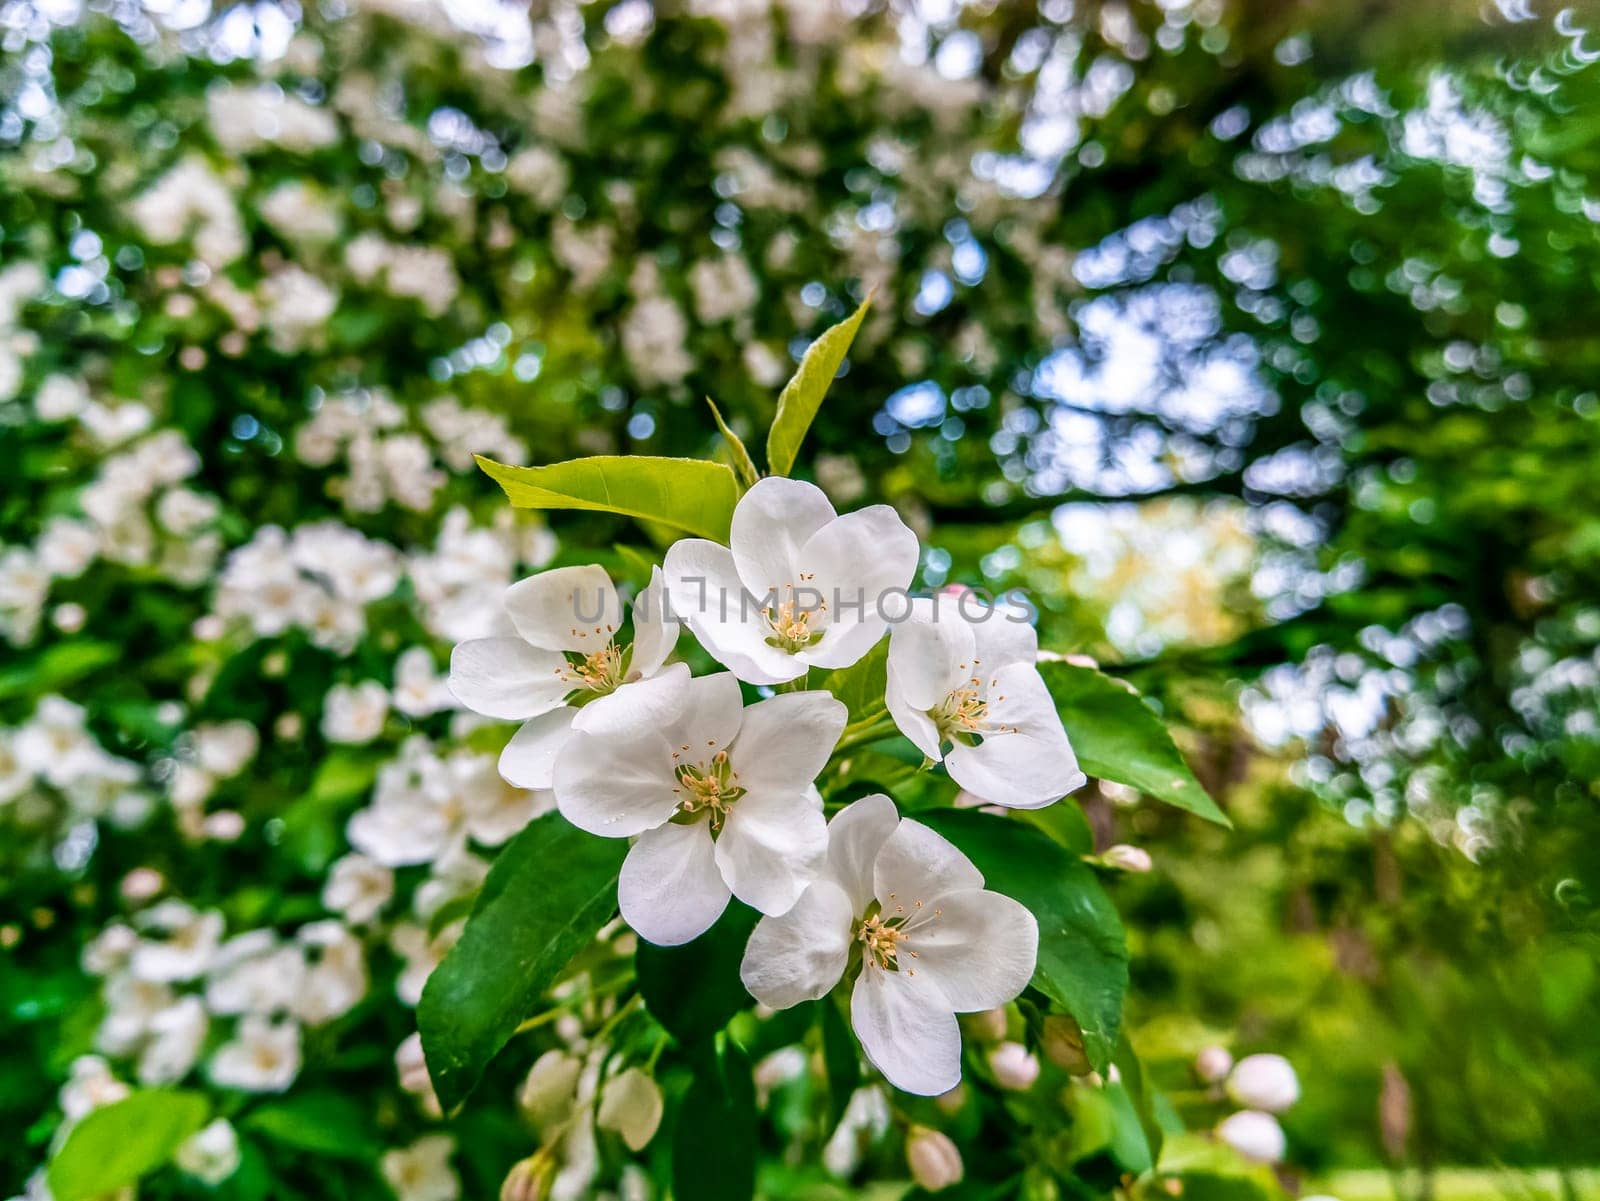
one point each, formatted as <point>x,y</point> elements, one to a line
<point>385,461</point>
<point>136,511</point>
<point>54,775</point>
<point>170,975</point>
<point>719,798</point>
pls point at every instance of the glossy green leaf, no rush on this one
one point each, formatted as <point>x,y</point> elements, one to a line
<point>714,1141</point>
<point>550,890</point>
<point>1119,738</point>
<point>691,495</point>
<point>116,1144</point>
<point>695,988</point>
<point>322,1123</point>
<point>802,396</point>
<point>860,687</point>
<point>1083,957</point>
<point>1065,823</point>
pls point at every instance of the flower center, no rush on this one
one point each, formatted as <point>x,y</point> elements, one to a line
<point>880,941</point>
<point>962,714</point>
<point>790,621</point>
<point>706,789</point>
<point>599,672</point>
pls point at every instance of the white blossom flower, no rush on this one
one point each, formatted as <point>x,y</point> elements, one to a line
<point>254,972</point>
<point>358,888</point>
<point>89,1085</point>
<point>1265,1082</point>
<point>965,690</point>
<point>211,1154</point>
<point>336,976</point>
<point>933,942</point>
<point>262,1057</point>
<point>355,713</point>
<point>566,649</point>
<point>719,796</point>
<point>798,585</point>
<point>422,1171</point>
<point>176,1036</point>
<point>192,938</point>
<point>418,689</point>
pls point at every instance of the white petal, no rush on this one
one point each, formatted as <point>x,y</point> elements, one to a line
<point>915,864</point>
<point>711,719</point>
<point>655,632</point>
<point>980,947</point>
<point>507,678</point>
<point>1029,763</point>
<point>931,654</point>
<point>772,847</point>
<point>567,609</point>
<point>529,759</point>
<point>801,955</point>
<point>785,741</point>
<point>616,787</point>
<point>855,836</point>
<point>907,1030</point>
<point>862,564</point>
<point>771,523</point>
<point>670,890</point>
<point>1005,636</point>
<point>914,723</point>
<point>707,593</point>
<point>654,704</point>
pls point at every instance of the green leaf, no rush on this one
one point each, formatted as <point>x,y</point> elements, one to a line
<point>55,667</point>
<point>860,686</point>
<point>1065,823</point>
<point>695,988</point>
<point>548,893</point>
<point>802,396</point>
<point>840,1057</point>
<point>116,1144</point>
<point>1141,1093</point>
<point>323,1123</point>
<point>742,462</point>
<point>1119,738</point>
<point>714,1142</point>
<point>1083,958</point>
<point>687,494</point>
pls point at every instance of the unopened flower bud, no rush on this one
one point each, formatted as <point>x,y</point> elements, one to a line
<point>1254,1134</point>
<point>1062,1042</point>
<point>1265,1082</point>
<point>1212,1064</point>
<point>987,1025</point>
<point>1125,858</point>
<point>631,1105</point>
<point>1013,1066</point>
<point>934,1161</point>
<point>548,1090</point>
<point>528,1179</point>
